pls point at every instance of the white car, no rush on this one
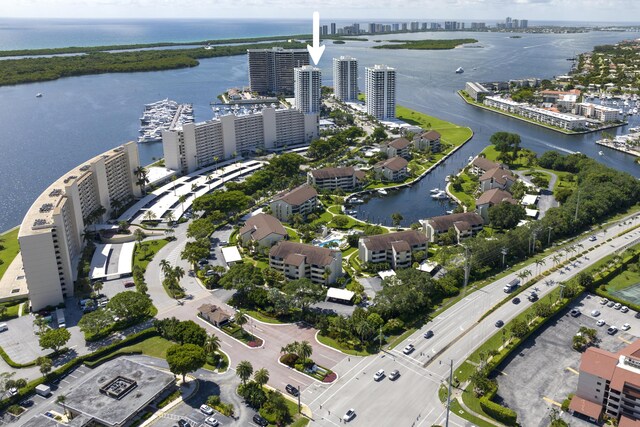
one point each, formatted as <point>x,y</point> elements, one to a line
<point>378,375</point>
<point>595,313</point>
<point>351,413</point>
<point>408,349</point>
<point>601,322</point>
<point>626,327</point>
<point>618,306</point>
<point>210,421</point>
<point>624,309</point>
<point>604,301</point>
<point>206,409</point>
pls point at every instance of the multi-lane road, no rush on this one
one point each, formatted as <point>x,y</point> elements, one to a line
<point>412,400</point>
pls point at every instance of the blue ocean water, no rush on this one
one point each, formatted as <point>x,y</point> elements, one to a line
<point>80,117</point>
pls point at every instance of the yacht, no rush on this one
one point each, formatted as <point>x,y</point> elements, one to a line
<point>435,190</point>
<point>442,195</point>
<point>470,159</point>
<point>382,191</point>
<point>447,178</point>
<point>38,95</point>
<point>450,211</point>
<point>459,70</point>
<point>356,201</point>
<point>600,153</point>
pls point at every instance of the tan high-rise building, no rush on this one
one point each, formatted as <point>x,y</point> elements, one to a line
<point>51,233</point>
<point>345,78</point>
<point>271,70</point>
<point>307,83</point>
<point>380,85</point>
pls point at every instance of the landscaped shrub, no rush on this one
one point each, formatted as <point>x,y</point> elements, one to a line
<point>498,412</point>
<point>289,359</point>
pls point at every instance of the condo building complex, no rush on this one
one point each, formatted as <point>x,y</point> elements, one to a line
<point>307,85</point>
<point>345,78</point>
<point>51,233</point>
<point>236,131</point>
<point>299,261</point>
<point>380,83</point>
<point>271,70</point>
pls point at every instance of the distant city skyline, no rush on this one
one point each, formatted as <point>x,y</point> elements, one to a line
<point>489,10</point>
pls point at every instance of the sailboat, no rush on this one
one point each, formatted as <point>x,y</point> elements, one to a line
<point>459,70</point>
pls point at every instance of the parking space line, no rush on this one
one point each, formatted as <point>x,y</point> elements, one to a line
<point>500,372</point>
<point>570,369</point>
<point>624,340</point>
<point>551,401</point>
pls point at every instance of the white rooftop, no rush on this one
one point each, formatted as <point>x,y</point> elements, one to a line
<point>341,294</point>
<point>529,199</point>
<point>386,273</point>
<point>231,254</point>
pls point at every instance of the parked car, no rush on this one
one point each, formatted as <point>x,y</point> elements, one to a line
<point>611,303</point>
<point>499,324</point>
<point>292,390</point>
<point>637,315</point>
<point>612,330</point>
<point>533,297</point>
<point>260,421</point>
<point>624,309</point>
<point>604,301</point>
<point>428,334</point>
<point>575,312</point>
<point>206,409</point>
<point>516,300</point>
<point>601,322</point>
<point>378,375</point>
<point>595,313</point>
<point>183,423</point>
<point>617,306</point>
<point>3,327</point>
<point>626,327</point>
<point>129,285</point>
<point>394,375</point>
<point>593,238</point>
<point>408,349</point>
<point>351,413</point>
<point>210,421</point>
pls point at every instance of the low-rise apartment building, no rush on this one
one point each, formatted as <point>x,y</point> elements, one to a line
<point>598,112</point>
<point>301,200</point>
<point>476,91</point>
<point>393,169</point>
<point>553,118</point>
<point>51,233</point>
<point>428,141</point>
<point>503,104</point>
<point>491,198</point>
<point>265,230</point>
<point>481,165</point>
<point>299,261</point>
<point>399,148</point>
<point>499,177</point>
<point>393,248</point>
<point>346,178</point>
<point>465,224</point>
<point>609,385</point>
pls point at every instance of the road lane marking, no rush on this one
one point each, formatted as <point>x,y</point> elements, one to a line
<point>570,369</point>
<point>373,359</point>
<point>551,401</point>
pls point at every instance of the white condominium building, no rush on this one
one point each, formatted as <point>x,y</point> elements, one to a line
<point>598,112</point>
<point>307,87</point>
<point>51,234</point>
<point>345,78</point>
<point>271,70</point>
<point>235,131</point>
<point>380,85</point>
<point>564,121</point>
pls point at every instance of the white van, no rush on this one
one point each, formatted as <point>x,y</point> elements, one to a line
<point>3,327</point>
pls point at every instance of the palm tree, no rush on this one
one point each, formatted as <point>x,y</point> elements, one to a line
<point>178,272</point>
<point>209,181</point>
<point>521,275</point>
<point>116,205</point>
<point>149,215</point>
<point>244,371</point>
<point>61,400</point>
<point>166,267</point>
<point>182,199</point>
<point>527,273</point>
<point>240,318</point>
<point>211,345</point>
<point>261,377</point>
<point>170,217</point>
<point>539,262</point>
<point>139,235</point>
<point>304,350</point>
<point>193,187</point>
<point>143,178</point>
<point>215,161</point>
<point>97,287</point>
<point>556,259</point>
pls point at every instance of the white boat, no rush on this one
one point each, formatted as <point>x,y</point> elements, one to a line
<point>447,178</point>
<point>435,190</point>
<point>442,195</point>
<point>470,159</point>
<point>459,70</point>
<point>382,191</point>
<point>600,153</point>
<point>450,211</point>
<point>208,47</point>
<point>38,95</point>
<point>356,201</point>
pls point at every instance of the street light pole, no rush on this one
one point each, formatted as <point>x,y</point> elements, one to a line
<point>504,252</point>
<point>449,394</point>
<point>549,238</point>
<point>299,403</point>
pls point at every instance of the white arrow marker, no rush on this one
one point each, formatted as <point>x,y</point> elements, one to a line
<point>316,50</point>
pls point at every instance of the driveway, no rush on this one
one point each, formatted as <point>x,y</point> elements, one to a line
<point>546,200</point>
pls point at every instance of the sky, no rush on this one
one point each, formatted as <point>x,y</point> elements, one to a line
<point>361,10</point>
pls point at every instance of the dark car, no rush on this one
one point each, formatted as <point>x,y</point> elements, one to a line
<point>129,285</point>
<point>575,312</point>
<point>183,423</point>
<point>499,324</point>
<point>292,390</point>
<point>637,316</point>
<point>533,297</point>
<point>428,334</point>
<point>516,300</point>
<point>26,403</point>
<point>260,421</point>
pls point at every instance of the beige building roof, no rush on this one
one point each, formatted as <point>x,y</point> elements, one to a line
<point>495,196</point>
<point>400,143</point>
<point>498,174</point>
<point>325,173</point>
<point>383,242</point>
<point>401,246</point>
<point>262,225</point>
<point>462,226</point>
<point>484,164</point>
<point>214,313</point>
<point>295,253</point>
<point>444,222</point>
<point>432,135</point>
<point>298,195</point>
<point>395,164</point>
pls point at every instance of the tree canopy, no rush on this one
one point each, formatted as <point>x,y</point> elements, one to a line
<point>186,358</point>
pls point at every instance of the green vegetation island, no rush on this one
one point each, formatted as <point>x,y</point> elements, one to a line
<point>29,70</point>
<point>426,44</point>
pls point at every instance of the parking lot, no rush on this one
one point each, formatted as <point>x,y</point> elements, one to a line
<point>545,369</point>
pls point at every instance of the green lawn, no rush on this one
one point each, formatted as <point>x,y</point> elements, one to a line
<point>154,346</point>
<point>451,133</point>
<point>154,246</point>
<point>623,280</point>
<point>335,344</point>
<point>10,248</point>
<point>465,196</point>
<point>12,309</point>
<point>263,318</point>
<point>293,234</point>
